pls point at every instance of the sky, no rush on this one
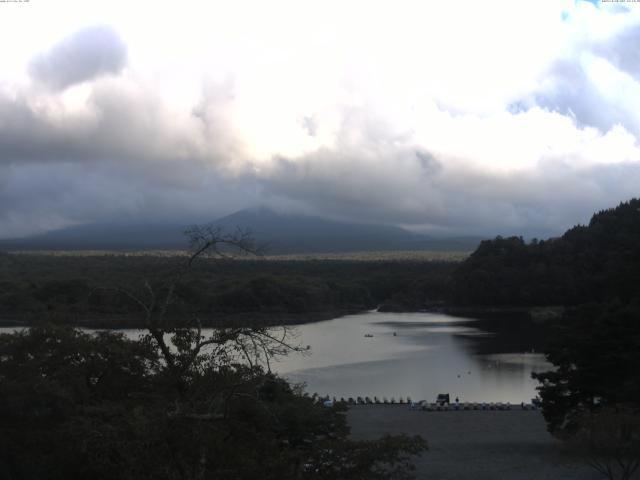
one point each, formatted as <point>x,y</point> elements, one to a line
<point>449,118</point>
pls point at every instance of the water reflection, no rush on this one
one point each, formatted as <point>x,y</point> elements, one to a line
<point>419,355</point>
<point>415,354</point>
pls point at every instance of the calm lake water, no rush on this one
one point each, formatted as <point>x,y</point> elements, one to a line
<point>429,354</point>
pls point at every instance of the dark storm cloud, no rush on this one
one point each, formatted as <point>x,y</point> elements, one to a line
<point>441,198</point>
<point>88,53</point>
<point>120,123</point>
<point>39,197</point>
<point>123,154</point>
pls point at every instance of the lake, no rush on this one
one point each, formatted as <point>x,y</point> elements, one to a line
<point>407,354</point>
<point>429,354</point>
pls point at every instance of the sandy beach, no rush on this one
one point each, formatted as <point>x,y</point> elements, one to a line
<point>479,445</point>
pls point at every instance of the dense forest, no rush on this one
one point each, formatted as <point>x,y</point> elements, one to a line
<point>86,289</point>
<point>596,262</point>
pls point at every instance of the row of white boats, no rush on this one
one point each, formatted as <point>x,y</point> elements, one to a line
<point>430,407</point>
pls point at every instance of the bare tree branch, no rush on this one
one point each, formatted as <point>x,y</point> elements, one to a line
<point>257,345</point>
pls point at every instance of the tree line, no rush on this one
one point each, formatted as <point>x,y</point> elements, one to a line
<point>81,290</point>
<point>595,262</point>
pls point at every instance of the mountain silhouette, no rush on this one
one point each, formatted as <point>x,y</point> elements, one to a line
<point>283,233</point>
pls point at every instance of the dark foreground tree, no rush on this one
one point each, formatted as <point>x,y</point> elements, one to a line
<point>597,364</point>
<point>177,404</point>
<point>609,439</point>
<point>78,405</point>
<point>592,397</point>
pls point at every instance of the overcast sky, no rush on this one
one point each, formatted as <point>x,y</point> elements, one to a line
<point>495,117</point>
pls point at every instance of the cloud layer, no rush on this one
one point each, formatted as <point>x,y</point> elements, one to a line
<point>446,124</point>
<point>88,53</point>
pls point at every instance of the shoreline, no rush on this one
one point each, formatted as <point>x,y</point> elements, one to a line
<point>487,315</point>
<point>257,319</point>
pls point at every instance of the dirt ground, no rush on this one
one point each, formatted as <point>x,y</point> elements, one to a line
<point>479,445</point>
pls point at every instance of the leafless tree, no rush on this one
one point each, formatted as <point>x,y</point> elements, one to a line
<point>186,350</point>
<point>181,343</point>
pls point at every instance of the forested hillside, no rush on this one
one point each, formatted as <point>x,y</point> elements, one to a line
<point>597,262</point>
